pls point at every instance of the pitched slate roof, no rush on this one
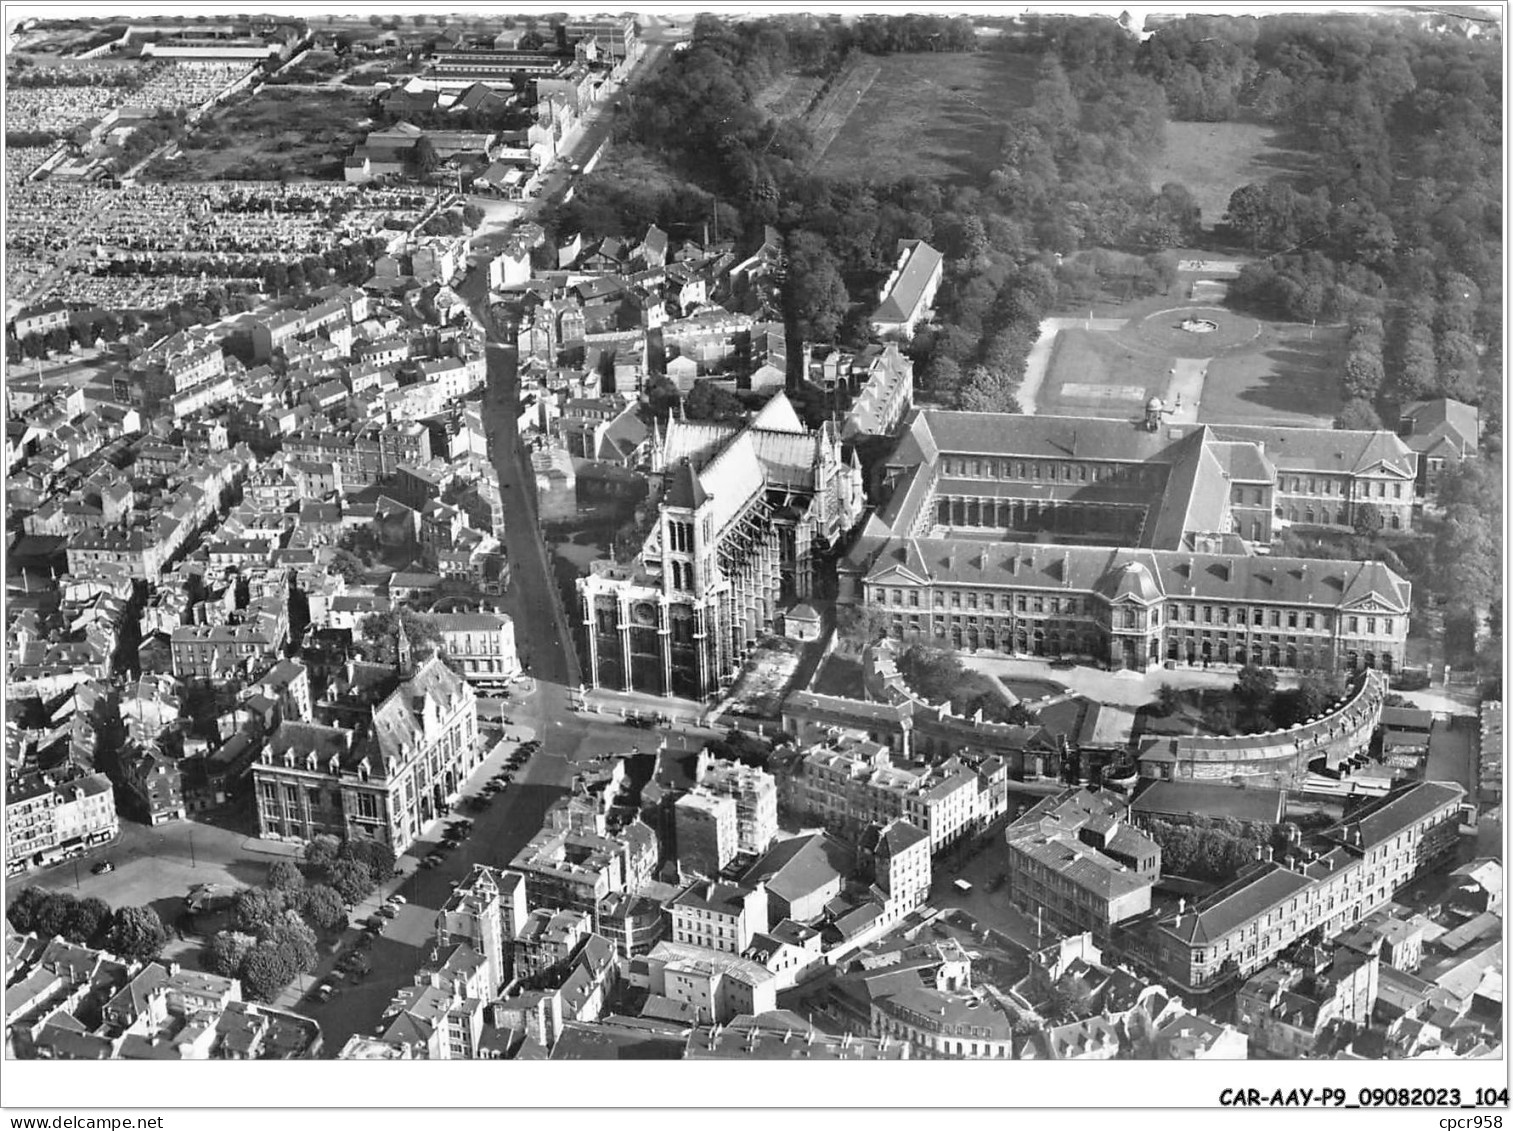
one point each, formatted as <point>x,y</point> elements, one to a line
<point>1321,449</point>
<point>1257,891</point>
<point>1384,818</point>
<point>778,415</point>
<point>1442,419</point>
<point>1163,798</point>
<point>931,432</point>
<point>801,865</point>
<point>920,262</point>
<point>1099,569</point>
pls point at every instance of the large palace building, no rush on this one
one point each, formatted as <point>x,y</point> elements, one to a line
<point>1134,543</point>
<point>744,514</point>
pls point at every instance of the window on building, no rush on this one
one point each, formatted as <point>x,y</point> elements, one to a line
<point>1355,624</point>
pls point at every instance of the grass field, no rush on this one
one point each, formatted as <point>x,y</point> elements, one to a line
<point>1214,158</point>
<point>932,114</point>
<point>1288,378</point>
<point>1083,360</point>
<point>276,135</point>
<point>1258,372</point>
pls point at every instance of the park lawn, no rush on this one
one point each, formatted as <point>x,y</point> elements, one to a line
<point>1095,357</point>
<point>931,115</point>
<point>277,135</point>
<point>1212,159</point>
<point>1290,379</point>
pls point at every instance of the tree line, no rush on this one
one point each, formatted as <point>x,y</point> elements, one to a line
<point>134,933</point>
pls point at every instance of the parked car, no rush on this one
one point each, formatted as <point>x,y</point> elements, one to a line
<point>374,923</point>
<point>430,862</point>
<point>387,911</point>
<point>322,992</point>
<point>102,867</point>
<point>397,898</point>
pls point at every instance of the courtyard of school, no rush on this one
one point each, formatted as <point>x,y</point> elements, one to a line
<point>1205,362</point>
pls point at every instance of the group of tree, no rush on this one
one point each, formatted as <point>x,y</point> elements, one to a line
<point>1256,705</point>
<point>1401,185</point>
<point>738,746</point>
<point>135,933</point>
<point>378,635</point>
<point>938,676</point>
<point>272,940</point>
<point>32,139</point>
<point>1212,850</point>
<point>276,928</point>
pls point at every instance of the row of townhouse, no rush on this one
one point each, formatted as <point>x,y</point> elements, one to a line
<point>46,819</point>
<point>70,1002</point>
<point>1356,868</point>
<point>193,496</point>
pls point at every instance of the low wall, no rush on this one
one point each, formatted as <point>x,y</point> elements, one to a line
<point>1339,735</point>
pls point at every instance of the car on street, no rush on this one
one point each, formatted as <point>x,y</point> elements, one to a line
<point>102,867</point>
<point>322,992</point>
<point>387,911</point>
<point>430,862</point>
<point>397,898</point>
